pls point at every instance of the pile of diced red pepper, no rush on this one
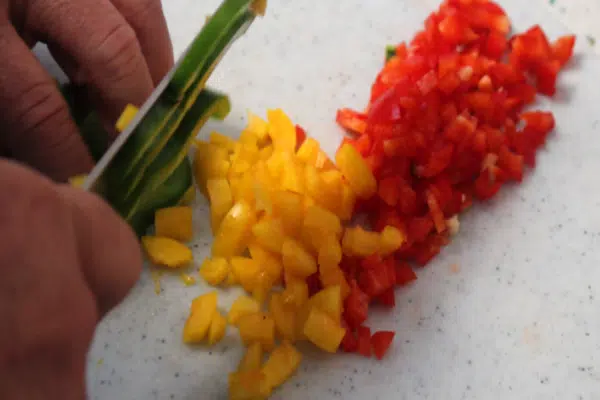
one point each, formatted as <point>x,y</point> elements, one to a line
<point>445,124</point>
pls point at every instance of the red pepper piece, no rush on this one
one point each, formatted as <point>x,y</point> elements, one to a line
<point>351,120</point>
<point>364,341</point>
<point>562,49</point>
<point>381,342</point>
<point>356,307</point>
<point>300,136</point>
<point>404,274</point>
<point>349,342</point>
<point>388,298</point>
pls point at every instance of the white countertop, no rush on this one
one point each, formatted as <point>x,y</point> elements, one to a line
<point>519,319</point>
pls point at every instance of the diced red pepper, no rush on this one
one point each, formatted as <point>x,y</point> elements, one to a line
<point>388,298</point>
<point>404,274</point>
<point>562,49</point>
<point>349,342</point>
<point>300,136</point>
<point>356,306</point>
<point>364,341</point>
<point>381,342</point>
<point>351,120</point>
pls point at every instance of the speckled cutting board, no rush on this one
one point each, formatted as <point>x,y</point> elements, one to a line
<point>510,310</point>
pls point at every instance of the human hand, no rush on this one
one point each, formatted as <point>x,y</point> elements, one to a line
<point>118,49</point>
<point>65,259</point>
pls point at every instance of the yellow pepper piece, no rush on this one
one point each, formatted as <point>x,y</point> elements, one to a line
<point>347,202</point>
<point>323,162</point>
<point>270,262</point>
<point>297,260</point>
<point>214,271</point>
<point>77,180</point>
<point>221,201</point>
<point>329,300</point>
<point>252,360</point>
<point>281,130</point>
<point>210,162</point>
<point>221,140</point>
<point>263,284</point>
<point>248,385</point>
<point>391,239</point>
<point>281,365</point>
<point>265,153</point>
<point>259,7</point>
<point>167,252</point>
<point>174,223</point>
<point>217,328</point>
<point>232,237</point>
<point>308,152</point>
<point>246,270</point>
<point>323,220</point>
<point>257,327</point>
<point>243,305</point>
<point>126,117</point>
<point>323,331</point>
<point>187,280</point>
<point>201,315</point>
<point>295,292</point>
<point>231,279</point>
<point>289,207</point>
<point>330,253</point>
<point>313,184</point>
<point>258,126</point>
<point>356,171</point>
<point>335,277</point>
<point>284,317</point>
<point>188,197</point>
<point>358,242</point>
<point>292,178</point>
<point>269,233</point>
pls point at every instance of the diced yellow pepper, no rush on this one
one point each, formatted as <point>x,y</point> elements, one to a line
<point>248,385</point>
<point>275,164</point>
<point>126,117</point>
<point>214,270</point>
<point>311,239</point>
<point>265,153</point>
<point>323,331</point>
<point>187,280</point>
<point>359,242</point>
<point>263,284</point>
<point>210,162</point>
<point>221,201</point>
<point>244,190</point>
<point>329,300</point>
<point>243,305</point>
<point>246,270</point>
<point>281,130</point>
<point>263,184</point>
<point>216,331</point>
<point>297,260</point>
<point>248,137</point>
<point>347,202</point>
<point>323,162</point>
<point>269,262</point>
<point>188,197</point>
<point>313,184</point>
<point>77,180</point>
<point>281,365</point>
<point>284,316</point>
<point>231,279</point>
<point>174,223</point>
<point>202,311</point>
<point>252,359</point>
<point>335,277</point>
<point>269,233</point>
<point>257,327</point>
<point>167,252</point>
<point>259,126</point>
<point>292,178</point>
<point>221,140</point>
<point>323,220</point>
<point>391,239</point>
<point>234,232</point>
<point>309,151</point>
<point>330,253</point>
<point>289,207</point>
<point>295,293</point>
<point>356,171</point>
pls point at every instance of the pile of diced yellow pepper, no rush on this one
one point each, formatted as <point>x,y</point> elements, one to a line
<point>278,214</point>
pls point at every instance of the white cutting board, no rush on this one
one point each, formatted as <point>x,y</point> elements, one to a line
<point>520,316</point>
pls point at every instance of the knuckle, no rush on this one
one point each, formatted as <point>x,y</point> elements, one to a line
<point>119,52</point>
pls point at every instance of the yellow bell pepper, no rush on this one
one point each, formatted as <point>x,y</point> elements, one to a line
<point>284,317</point>
<point>330,253</point>
<point>221,201</point>
<point>126,117</point>
<point>246,270</point>
<point>174,223</point>
<point>234,232</point>
<point>329,300</point>
<point>243,305</point>
<point>391,239</point>
<point>323,220</point>
<point>258,126</point>
<point>295,292</point>
<point>263,284</point>
<point>167,252</point>
<point>265,153</point>
<point>248,385</point>
<point>292,177</point>
<point>289,207</point>
<point>217,328</point>
<point>297,260</point>
<point>257,327</point>
<point>77,180</point>
<point>187,280</point>
<point>323,331</point>
<point>210,162</point>
<point>221,140</point>
<point>347,203</point>
<point>269,262</point>
<point>201,315</point>
<point>281,365</point>
<point>214,270</point>
<point>252,359</point>
<point>356,171</point>
<point>281,130</point>
<point>308,152</point>
<point>359,242</point>
<point>323,162</point>
<point>269,233</point>
<point>335,277</point>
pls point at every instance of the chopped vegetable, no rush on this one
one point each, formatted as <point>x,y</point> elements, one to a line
<point>216,331</point>
<point>323,331</point>
<point>243,305</point>
<point>201,317</point>
<point>257,327</point>
<point>126,117</point>
<point>281,365</point>
<point>215,270</point>
<point>167,252</point>
<point>174,223</point>
<point>253,358</point>
<point>381,341</point>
